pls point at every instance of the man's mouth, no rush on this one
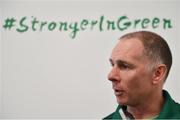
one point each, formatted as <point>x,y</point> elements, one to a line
<point>118,92</point>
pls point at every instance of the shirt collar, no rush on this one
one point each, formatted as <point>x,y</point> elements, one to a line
<point>167,108</point>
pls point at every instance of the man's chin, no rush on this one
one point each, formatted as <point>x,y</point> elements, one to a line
<point>121,102</point>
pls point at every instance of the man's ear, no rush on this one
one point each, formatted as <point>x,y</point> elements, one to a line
<point>159,73</point>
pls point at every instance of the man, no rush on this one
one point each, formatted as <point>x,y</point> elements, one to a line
<point>141,62</point>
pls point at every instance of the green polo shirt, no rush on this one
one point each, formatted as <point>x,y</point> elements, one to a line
<point>171,109</point>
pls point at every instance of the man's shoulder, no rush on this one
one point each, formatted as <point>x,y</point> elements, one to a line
<point>171,109</point>
<point>109,116</point>
<point>177,106</point>
<point>114,115</point>
<point>172,104</point>
<point>176,111</point>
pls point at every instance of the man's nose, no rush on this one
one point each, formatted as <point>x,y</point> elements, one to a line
<point>114,74</point>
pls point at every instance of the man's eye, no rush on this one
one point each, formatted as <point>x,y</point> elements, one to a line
<point>123,66</point>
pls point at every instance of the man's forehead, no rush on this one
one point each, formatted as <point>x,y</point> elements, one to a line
<point>127,45</point>
<point>128,48</point>
<point>129,41</point>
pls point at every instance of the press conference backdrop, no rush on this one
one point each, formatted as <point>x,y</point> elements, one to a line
<point>55,54</point>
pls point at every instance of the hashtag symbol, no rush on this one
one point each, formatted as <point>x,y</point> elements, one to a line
<point>9,23</point>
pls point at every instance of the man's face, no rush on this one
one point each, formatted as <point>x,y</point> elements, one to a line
<point>131,80</point>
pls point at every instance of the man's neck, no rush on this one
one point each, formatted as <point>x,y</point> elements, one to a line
<point>148,109</point>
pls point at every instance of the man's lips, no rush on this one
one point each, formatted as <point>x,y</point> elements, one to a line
<point>118,92</point>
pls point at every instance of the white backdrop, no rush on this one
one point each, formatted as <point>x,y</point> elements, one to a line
<point>48,74</point>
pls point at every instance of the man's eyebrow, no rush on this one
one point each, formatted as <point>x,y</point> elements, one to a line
<point>119,62</point>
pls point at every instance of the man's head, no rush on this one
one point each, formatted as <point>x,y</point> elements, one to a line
<point>155,48</point>
<point>140,63</point>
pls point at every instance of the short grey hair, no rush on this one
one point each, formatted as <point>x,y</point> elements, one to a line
<point>156,48</point>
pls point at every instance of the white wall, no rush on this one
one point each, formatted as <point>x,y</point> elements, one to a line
<point>47,74</point>
<point>0,66</point>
